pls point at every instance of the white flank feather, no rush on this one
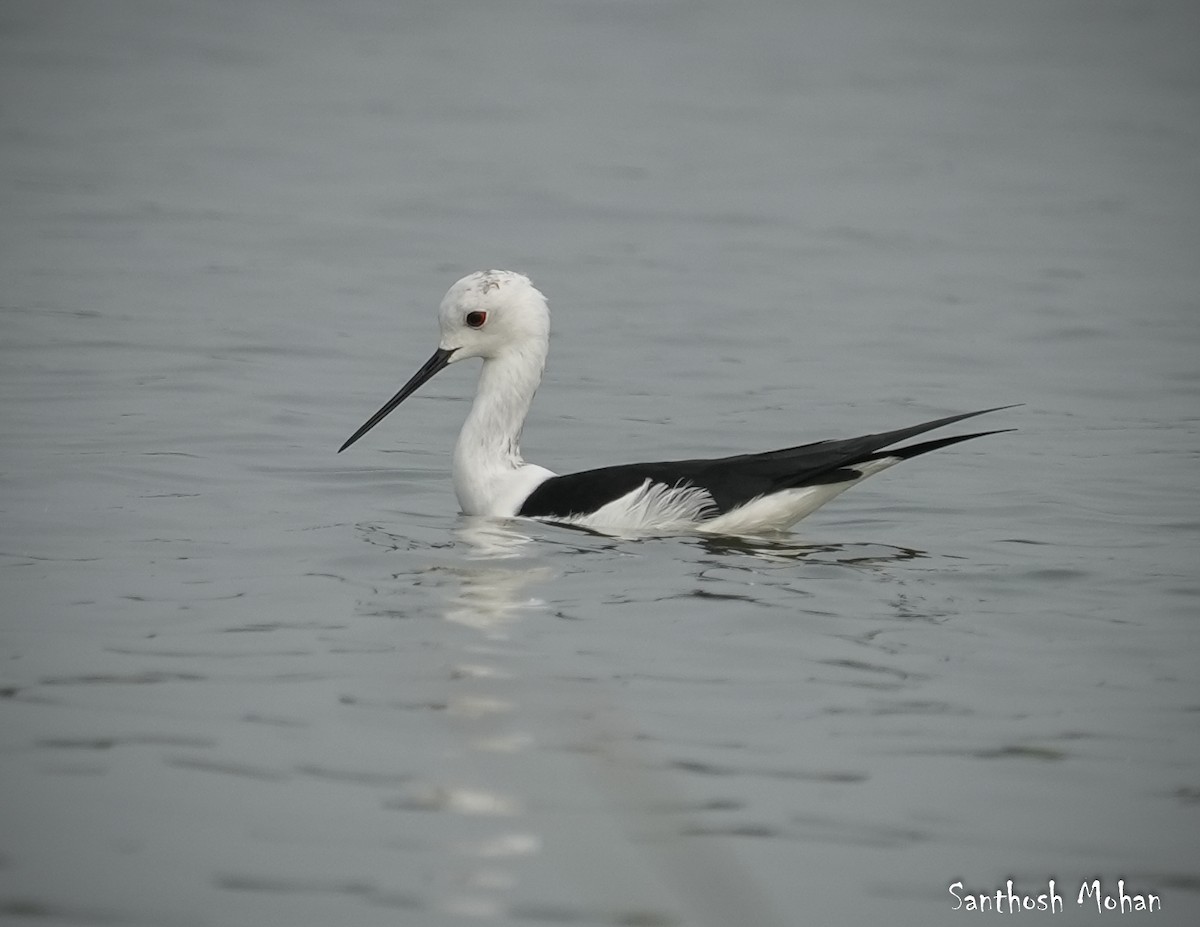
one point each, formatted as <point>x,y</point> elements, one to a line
<point>651,507</point>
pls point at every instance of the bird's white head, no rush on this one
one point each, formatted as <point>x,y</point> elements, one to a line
<point>494,314</point>
<point>491,313</point>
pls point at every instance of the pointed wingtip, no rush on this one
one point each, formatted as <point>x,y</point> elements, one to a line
<point>1011,405</point>
<point>950,420</point>
<point>887,438</point>
<point>914,450</point>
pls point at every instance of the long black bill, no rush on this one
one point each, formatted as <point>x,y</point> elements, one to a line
<point>441,357</point>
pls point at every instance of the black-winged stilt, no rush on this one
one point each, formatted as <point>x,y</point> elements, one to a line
<point>499,316</point>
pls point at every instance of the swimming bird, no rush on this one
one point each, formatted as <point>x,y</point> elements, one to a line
<point>500,317</point>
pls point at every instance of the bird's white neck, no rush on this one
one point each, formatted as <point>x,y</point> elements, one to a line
<point>487,457</point>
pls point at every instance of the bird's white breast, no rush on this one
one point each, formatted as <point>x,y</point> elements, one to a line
<point>497,491</point>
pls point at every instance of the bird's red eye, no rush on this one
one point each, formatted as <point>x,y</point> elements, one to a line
<point>476,319</point>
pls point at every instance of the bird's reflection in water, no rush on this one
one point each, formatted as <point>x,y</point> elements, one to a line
<point>485,579</point>
<point>493,577</point>
<point>485,538</point>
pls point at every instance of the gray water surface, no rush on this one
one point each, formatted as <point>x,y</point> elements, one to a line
<point>244,680</point>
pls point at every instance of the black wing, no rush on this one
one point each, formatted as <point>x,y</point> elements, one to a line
<point>733,481</point>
